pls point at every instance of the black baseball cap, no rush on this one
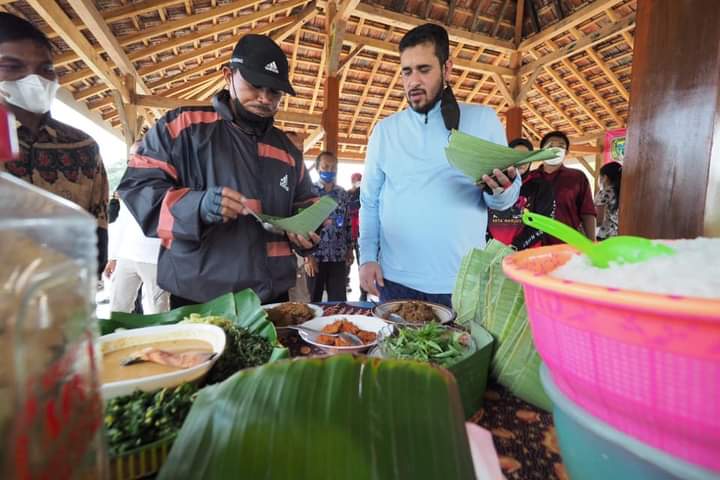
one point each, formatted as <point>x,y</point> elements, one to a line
<point>262,63</point>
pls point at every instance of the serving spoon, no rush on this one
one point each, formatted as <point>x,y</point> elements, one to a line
<point>619,250</point>
<point>266,225</point>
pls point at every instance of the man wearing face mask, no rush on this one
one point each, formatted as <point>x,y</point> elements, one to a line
<point>200,171</point>
<point>53,156</point>
<point>573,198</point>
<point>419,215</point>
<point>327,266</point>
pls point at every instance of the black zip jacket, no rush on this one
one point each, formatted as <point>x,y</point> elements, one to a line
<point>190,150</point>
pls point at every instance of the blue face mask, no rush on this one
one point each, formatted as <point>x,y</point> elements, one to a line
<point>327,177</point>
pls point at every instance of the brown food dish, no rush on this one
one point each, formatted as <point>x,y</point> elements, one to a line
<point>290,313</point>
<point>344,326</point>
<point>415,312</point>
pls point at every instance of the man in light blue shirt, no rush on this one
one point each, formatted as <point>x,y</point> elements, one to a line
<point>419,215</point>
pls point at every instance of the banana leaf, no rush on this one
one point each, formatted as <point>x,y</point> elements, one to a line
<point>342,417</point>
<point>242,308</point>
<point>476,157</point>
<point>484,296</point>
<point>308,220</point>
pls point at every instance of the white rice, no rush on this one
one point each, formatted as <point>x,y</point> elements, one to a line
<point>694,271</point>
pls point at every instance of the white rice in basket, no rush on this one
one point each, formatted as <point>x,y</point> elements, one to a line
<point>694,271</point>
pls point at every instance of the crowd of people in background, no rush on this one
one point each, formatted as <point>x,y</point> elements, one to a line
<point>183,225</point>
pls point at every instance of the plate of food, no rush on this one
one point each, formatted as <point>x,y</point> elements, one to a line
<point>431,342</point>
<point>414,311</point>
<point>334,330</point>
<point>291,313</point>
<point>152,358</point>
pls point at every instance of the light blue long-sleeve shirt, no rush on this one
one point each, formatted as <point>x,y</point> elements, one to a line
<point>419,215</point>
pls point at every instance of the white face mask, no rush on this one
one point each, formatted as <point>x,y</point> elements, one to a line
<point>557,160</point>
<point>356,185</point>
<point>32,93</point>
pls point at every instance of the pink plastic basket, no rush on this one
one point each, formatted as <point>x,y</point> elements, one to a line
<point>647,364</point>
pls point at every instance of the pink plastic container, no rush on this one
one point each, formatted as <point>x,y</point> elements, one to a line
<point>647,364</point>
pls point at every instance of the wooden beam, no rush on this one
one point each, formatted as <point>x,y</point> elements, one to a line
<point>539,116</point>
<point>519,17</point>
<point>500,17</point>
<point>330,113</point>
<point>346,8</point>
<point>500,83</point>
<point>318,81</point>
<point>368,84</point>
<point>614,17</point>
<point>559,109</point>
<point>388,48</point>
<point>527,86</point>
<point>570,93</point>
<point>293,64</point>
<point>591,88</point>
<point>349,57</point>
<point>301,18</point>
<point>609,73</point>
<point>336,28</point>
<point>406,22</point>
<point>590,10</point>
<point>388,92</point>
<point>451,12</point>
<point>51,12</point>
<point>312,139</point>
<point>476,17</point>
<point>582,44</point>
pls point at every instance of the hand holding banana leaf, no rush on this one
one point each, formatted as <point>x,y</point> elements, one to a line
<point>479,159</point>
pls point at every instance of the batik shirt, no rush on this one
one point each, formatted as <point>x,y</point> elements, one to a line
<point>65,161</point>
<point>336,235</point>
<point>609,227</point>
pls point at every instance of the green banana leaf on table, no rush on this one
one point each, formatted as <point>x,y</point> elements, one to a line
<point>476,157</point>
<point>242,308</point>
<point>308,220</point>
<point>342,417</point>
<point>485,297</point>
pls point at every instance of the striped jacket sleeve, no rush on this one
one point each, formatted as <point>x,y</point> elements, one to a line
<point>151,187</point>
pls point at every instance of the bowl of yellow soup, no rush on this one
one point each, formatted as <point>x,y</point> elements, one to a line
<point>118,378</point>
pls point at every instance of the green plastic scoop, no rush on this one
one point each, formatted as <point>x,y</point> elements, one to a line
<point>621,249</point>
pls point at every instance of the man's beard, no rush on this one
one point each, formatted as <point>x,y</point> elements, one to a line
<point>428,106</point>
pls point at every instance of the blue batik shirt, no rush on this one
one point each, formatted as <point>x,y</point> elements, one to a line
<point>336,235</point>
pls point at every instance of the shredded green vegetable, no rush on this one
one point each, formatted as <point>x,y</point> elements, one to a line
<point>431,342</point>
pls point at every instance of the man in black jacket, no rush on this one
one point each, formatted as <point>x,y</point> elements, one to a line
<point>200,170</point>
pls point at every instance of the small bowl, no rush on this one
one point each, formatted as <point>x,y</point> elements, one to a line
<point>141,337</point>
<point>370,324</point>
<point>442,313</point>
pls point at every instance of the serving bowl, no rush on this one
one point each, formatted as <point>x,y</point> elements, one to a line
<point>145,337</point>
<point>363,322</point>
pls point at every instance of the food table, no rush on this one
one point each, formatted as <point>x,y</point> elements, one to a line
<point>523,435</point>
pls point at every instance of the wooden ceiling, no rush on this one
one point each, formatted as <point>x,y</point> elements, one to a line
<point>572,57</point>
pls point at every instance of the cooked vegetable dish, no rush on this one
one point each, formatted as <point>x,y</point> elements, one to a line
<point>290,313</point>
<point>415,312</point>
<point>429,343</point>
<point>345,326</point>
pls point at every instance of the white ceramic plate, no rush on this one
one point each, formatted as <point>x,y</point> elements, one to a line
<point>370,324</point>
<point>318,310</point>
<point>140,337</point>
<point>442,313</point>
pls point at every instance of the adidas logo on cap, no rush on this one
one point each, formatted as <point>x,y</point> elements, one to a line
<point>272,67</point>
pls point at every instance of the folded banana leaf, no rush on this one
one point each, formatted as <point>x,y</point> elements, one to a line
<point>242,308</point>
<point>476,157</point>
<point>343,417</point>
<point>308,220</point>
<point>484,296</point>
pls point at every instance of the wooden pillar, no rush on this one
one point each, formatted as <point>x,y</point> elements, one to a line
<point>513,124</point>
<point>330,114</point>
<point>671,172</point>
